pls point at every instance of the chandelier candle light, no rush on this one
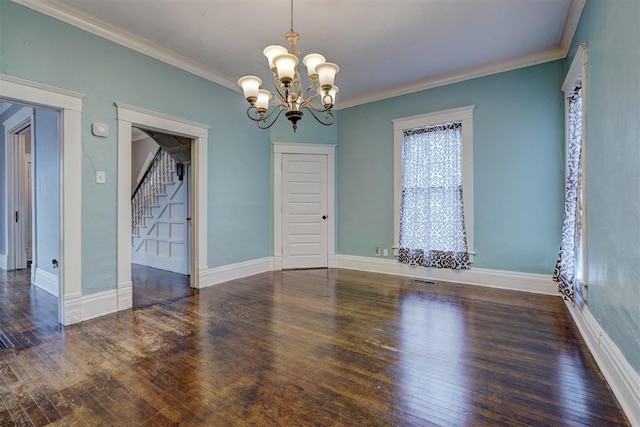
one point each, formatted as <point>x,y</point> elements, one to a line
<point>289,93</point>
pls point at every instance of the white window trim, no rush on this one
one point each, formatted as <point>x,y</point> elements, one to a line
<point>462,114</point>
<point>577,70</point>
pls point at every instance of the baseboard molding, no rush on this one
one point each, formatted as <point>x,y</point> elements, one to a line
<point>99,304</point>
<point>216,275</point>
<point>46,281</point>
<point>511,280</point>
<point>125,295</point>
<point>3,262</point>
<point>160,262</point>
<point>72,309</point>
<point>622,378</point>
<point>78,308</point>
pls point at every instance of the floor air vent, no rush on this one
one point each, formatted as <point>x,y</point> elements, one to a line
<point>5,343</point>
<point>427,282</point>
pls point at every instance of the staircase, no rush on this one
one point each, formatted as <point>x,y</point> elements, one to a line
<point>158,217</point>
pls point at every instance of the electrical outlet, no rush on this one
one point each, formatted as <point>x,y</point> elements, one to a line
<point>100,177</point>
<point>385,252</point>
<point>377,251</point>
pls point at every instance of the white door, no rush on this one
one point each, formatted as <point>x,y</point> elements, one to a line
<point>19,212</point>
<point>304,211</point>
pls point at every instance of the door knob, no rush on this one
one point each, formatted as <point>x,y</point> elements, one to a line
<point>324,217</point>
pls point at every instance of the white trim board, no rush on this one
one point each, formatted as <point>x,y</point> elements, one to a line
<point>99,304</point>
<point>3,262</point>
<point>70,104</point>
<point>510,280</point>
<point>46,281</point>
<point>225,273</point>
<point>621,377</point>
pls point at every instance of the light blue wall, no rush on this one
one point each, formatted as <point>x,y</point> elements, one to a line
<point>42,49</point>
<point>518,167</point>
<point>613,173</point>
<point>46,185</point>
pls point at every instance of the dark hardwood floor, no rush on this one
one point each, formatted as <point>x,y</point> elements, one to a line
<point>306,348</point>
<point>154,286</point>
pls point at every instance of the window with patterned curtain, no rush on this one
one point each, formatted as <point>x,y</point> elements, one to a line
<point>432,223</point>
<point>570,271</point>
<point>570,256</point>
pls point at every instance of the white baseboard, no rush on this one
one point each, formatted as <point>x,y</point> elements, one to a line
<point>78,308</point>
<point>99,304</point>
<point>511,280</point>
<point>225,273</point>
<point>177,265</point>
<point>125,295</point>
<point>3,262</point>
<point>622,378</point>
<point>46,281</point>
<point>72,309</point>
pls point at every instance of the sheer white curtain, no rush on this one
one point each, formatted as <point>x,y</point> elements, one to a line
<point>432,231</point>
<point>566,266</point>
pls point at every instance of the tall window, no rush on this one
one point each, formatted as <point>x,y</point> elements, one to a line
<point>569,270</point>
<point>434,189</point>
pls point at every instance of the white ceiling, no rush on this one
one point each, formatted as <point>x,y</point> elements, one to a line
<point>383,47</point>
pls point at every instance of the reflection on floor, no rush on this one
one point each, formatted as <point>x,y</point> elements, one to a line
<point>28,315</point>
<point>307,348</point>
<point>154,286</point>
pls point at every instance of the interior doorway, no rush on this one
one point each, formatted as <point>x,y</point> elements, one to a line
<point>31,198</point>
<point>67,107</point>
<point>161,216</point>
<point>196,174</point>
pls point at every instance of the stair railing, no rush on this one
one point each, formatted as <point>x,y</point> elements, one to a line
<point>159,172</point>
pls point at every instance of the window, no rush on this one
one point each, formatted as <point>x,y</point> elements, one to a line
<point>569,271</point>
<point>433,189</point>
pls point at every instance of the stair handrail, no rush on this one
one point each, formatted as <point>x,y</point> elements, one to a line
<point>146,172</point>
<point>160,171</point>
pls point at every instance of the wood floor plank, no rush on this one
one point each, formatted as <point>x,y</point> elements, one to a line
<point>301,348</point>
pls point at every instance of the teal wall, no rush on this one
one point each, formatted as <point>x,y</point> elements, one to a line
<point>42,49</point>
<point>46,197</point>
<point>518,167</point>
<point>613,172</point>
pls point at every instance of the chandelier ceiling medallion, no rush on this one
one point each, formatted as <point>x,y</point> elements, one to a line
<point>318,99</point>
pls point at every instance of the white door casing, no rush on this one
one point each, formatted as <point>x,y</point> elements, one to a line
<point>304,211</point>
<point>70,105</point>
<point>129,116</point>
<point>295,198</point>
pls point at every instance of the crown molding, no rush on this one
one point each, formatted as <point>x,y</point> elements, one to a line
<point>574,11</point>
<point>541,57</point>
<point>74,17</point>
<point>69,15</point>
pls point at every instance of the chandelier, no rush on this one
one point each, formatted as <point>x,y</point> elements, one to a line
<point>290,97</point>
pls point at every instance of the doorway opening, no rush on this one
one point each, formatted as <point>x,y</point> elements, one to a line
<point>196,172</point>
<point>30,217</point>
<point>160,216</point>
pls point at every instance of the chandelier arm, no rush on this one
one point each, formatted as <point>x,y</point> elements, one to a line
<point>328,114</point>
<point>262,124</point>
<point>254,114</point>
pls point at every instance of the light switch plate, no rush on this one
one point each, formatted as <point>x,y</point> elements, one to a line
<point>100,177</point>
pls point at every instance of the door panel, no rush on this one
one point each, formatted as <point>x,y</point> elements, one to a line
<point>304,204</point>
